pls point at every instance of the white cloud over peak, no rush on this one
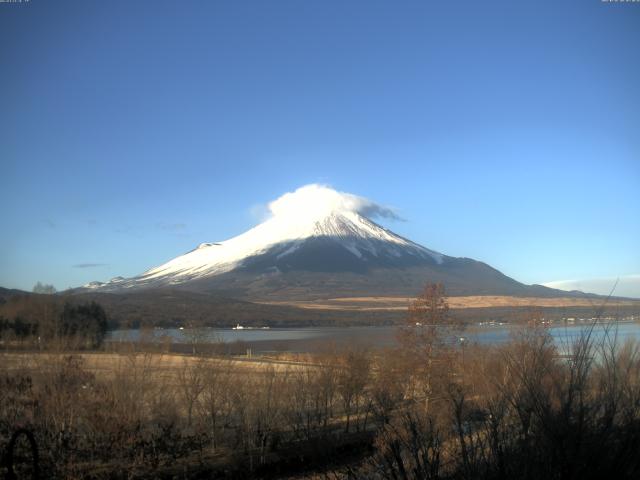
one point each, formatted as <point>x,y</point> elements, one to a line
<point>318,200</point>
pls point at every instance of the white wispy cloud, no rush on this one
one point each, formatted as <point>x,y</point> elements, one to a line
<point>315,198</point>
<point>627,285</point>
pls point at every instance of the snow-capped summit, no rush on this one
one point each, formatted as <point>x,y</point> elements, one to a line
<point>300,219</point>
<point>318,241</point>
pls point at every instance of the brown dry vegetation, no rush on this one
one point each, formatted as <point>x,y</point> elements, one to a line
<point>427,410</point>
<point>475,301</point>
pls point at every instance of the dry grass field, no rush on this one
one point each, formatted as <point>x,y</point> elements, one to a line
<point>477,301</point>
<point>166,366</point>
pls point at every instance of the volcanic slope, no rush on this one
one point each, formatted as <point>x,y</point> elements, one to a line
<point>321,243</point>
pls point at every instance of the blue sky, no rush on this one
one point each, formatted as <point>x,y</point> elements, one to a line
<point>131,131</point>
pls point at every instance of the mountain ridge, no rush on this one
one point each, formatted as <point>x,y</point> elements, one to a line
<point>319,243</point>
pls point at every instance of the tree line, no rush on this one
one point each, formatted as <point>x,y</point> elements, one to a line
<point>34,320</point>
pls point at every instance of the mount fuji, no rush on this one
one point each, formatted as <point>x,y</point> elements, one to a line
<point>318,243</point>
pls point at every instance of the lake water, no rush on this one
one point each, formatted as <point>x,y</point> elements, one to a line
<point>301,339</point>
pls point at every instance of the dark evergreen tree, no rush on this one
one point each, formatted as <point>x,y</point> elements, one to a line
<point>87,322</point>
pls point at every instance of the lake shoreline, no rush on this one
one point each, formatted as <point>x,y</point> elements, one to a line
<point>317,339</point>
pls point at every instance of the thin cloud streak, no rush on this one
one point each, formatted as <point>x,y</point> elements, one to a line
<point>171,227</point>
<point>628,285</point>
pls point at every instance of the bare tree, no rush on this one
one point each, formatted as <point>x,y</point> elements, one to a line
<point>389,385</point>
<point>215,401</point>
<point>191,380</point>
<point>353,377</point>
<point>427,333</point>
